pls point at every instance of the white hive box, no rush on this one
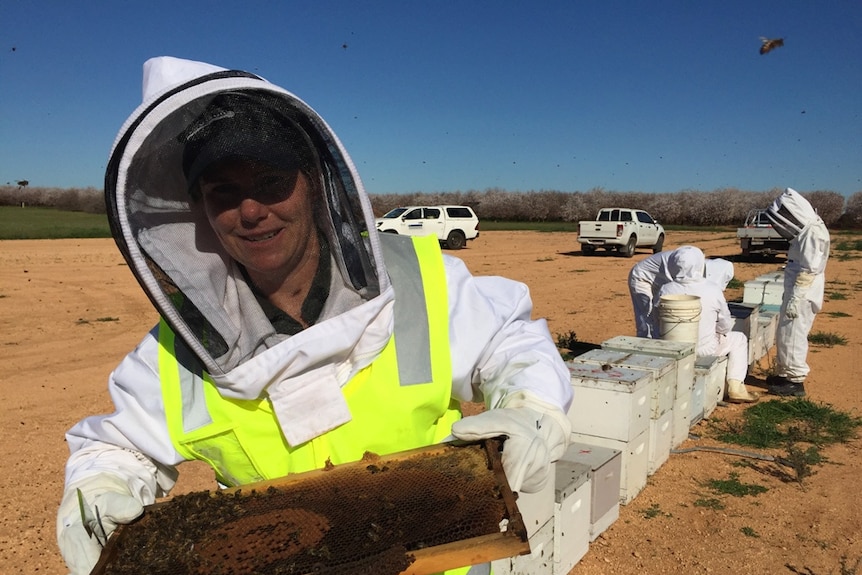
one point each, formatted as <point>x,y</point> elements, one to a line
<point>768,321</point>
<point>605,467</point>
<point>662,368</point>
<point>610,402</point>
<point>660,441</point>
<point>698,390</point>
<point>634,463</point>
<point>681,351</point>
<point>540,560</point>
<point>571,514</point>
<point>766,289</point>
<point>712,370</point>
<point>537,508</point>
<point>681,417</point>
<point>745,321</point>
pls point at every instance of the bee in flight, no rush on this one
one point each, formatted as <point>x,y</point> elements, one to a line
<point>770,43</point>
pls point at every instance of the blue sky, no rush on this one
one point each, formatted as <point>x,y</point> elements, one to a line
<point>459,95</point>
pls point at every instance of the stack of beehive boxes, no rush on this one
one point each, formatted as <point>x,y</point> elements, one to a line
<point>635,400</point>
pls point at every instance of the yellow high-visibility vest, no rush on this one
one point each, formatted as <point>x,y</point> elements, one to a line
<point>399,402</point>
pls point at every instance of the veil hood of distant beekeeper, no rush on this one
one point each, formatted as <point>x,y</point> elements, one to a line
<point>194,114</point>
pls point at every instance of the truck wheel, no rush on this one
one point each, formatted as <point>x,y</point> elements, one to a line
<point>659,244</point>
<point>455,240</point>
<point>629,249</point>
<point>588,250</point>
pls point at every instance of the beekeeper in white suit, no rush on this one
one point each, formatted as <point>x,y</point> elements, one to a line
<point>645,280</point>
<point>804,280</point>
<point>719,271</point>
<point>715,336</point>
<point>245,222</point>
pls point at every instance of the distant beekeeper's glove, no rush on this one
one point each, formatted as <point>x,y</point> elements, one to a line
<point>537,435</point>
<point>791,310</point>
<point>90,511</point>
<point>800,291</point>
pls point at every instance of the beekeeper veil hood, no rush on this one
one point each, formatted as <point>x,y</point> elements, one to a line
<point>719,271</point>
<point>790,213</point>
<point>195,114</point>
<point>686,264</point>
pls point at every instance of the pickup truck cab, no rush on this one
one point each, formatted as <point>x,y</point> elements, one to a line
<point>622,230</point>
<point>453,225</point>
<point>758,237</point>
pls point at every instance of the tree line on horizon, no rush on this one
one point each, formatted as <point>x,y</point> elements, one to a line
<point>721,207</point>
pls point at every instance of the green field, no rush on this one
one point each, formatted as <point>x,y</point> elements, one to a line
<point>45,223</point>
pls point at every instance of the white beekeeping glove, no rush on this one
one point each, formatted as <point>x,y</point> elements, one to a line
<point>537,434</point>
<point>798,295</point>
<point>81,529</point>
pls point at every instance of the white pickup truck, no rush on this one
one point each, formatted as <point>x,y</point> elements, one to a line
<point>453,225</point>
<point>758,237</point>
<point>622,230</point>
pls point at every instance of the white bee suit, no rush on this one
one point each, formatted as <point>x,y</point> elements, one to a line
<point>715,335</point>
<point>804,279</point>
<point>499,354</point>
<point>645,279</point>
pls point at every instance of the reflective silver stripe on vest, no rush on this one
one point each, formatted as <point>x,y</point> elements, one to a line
<point>195,412</point>
<point>412,341</point>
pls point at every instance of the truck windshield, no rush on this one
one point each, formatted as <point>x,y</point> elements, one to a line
<point>394,213</point>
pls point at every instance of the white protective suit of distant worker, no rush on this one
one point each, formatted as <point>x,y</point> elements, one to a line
<point>645,280</point>
<point>214,180</point>
<point>804,279</point>
<point>715,336</point>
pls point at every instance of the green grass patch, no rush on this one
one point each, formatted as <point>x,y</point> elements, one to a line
<point>837,295</point>
<point>749,532</point>
<point>18,223</point>
<point>735,284</point>
<point>854,245</point>
<point>778,423</point>
<point>709,503</point>
<point>837,314</point>
<point>826,339</point>
<point>733,486</point>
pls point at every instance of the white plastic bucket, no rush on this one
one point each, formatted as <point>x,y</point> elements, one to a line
<point>679,316</point>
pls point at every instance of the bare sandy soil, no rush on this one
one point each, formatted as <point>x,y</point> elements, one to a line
<point>70,310</point>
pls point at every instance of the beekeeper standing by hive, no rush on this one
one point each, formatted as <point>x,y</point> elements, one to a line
<point>715,336</point>
<point>804,280</point>
<point>291,332</point>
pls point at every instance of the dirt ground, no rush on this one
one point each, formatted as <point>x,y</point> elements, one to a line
<point>70,310</point>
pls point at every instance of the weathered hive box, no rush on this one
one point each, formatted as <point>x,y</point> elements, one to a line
<point>683,354</point>
<point>766,289</point>
<point>610,402</point>
<point>663,370</point>
<point>605,467</point>
<point>571,514</point>
<point>745,321</point>
<point>712,371</point>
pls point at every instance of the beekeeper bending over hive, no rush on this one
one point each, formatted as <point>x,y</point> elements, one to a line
<point>291,332</point>
<point>715,335</point>
<point>804,279</point>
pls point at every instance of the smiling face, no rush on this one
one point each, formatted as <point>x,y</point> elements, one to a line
<point>264,218</point>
